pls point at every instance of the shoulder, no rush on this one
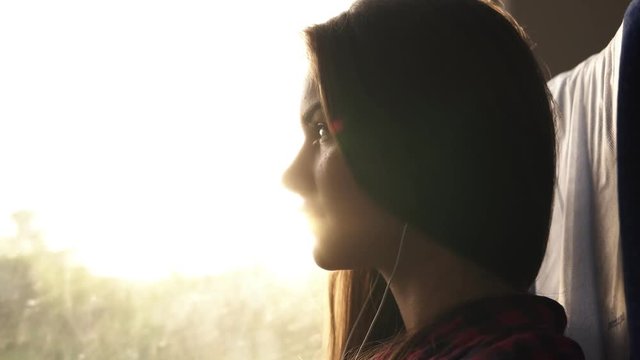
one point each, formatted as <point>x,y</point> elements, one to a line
<point>530,345</point>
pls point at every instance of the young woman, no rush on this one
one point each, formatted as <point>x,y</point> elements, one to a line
<point>428,170</point>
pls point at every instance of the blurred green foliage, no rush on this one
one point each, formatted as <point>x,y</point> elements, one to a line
<point>51,309</point>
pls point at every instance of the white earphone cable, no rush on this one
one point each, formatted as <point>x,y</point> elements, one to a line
<point>353,327</point>
<point>384,296</point>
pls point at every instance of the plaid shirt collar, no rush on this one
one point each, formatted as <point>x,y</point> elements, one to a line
<point>511,327</point>
<point>507,314</point>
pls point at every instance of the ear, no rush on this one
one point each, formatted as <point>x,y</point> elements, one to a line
<point>336,126</point>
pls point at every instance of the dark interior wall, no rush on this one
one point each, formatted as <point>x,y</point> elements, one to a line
<point>568,31</point>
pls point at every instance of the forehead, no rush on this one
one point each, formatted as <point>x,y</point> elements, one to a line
<point>310,97</point>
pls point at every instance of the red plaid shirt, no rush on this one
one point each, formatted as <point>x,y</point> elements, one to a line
<point>523,327</point>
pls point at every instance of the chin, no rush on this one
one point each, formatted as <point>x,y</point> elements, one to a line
<point>324,260</point>
<point>328,255</point>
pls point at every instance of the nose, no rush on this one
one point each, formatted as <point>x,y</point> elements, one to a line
<point>299,176</point>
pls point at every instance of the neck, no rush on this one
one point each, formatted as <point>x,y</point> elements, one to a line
<point>431,281</point>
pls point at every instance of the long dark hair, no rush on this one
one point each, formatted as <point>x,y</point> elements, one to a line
<point>448,125</point>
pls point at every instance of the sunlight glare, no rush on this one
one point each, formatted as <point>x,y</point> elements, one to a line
<point>150,137</point>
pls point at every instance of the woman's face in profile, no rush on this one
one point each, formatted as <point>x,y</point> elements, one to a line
<point>351,230</point>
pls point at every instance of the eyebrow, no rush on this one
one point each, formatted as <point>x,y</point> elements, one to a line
<point>309,112</point>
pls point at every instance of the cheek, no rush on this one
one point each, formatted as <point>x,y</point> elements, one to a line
<point>354,231</point>
<point>338,193</point>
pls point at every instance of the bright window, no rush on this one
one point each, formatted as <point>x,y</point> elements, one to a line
<point>141,210</point>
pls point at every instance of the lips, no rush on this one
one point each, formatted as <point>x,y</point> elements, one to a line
<point>311,210</point>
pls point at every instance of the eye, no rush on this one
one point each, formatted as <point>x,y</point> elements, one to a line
<point>320,132</point>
